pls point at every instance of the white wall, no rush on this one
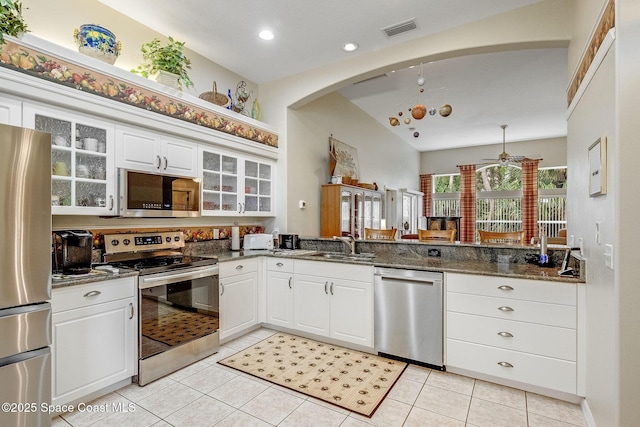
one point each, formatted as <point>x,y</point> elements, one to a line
<point>609,107</point>
<point>594,117</point>
<point>56,20</point>
<point>553,151</point>
<point>383,158</point>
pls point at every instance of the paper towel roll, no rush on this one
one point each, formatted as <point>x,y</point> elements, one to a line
<point>235,238</point>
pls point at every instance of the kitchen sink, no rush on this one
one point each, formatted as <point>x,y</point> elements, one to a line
<point>349,257</point>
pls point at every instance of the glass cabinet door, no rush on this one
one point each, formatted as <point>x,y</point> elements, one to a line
<point>346,213</point>
<point>219,182</point>
<point>257,187</point>
<point>80,164</point>
<point>377,209</point>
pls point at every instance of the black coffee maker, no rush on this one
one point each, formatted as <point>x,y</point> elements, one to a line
<point>72,251</point>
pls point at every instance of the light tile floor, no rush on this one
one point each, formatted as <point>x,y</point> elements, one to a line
<point>209,394</point>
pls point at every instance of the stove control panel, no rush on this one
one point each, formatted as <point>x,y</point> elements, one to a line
<point>135,242</point>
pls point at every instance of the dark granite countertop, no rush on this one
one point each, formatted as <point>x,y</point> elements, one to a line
<point>515,270</point>
<point>61,281</point>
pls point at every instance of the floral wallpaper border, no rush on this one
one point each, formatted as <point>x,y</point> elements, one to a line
<point>607,21</point>
<point>33,62</point>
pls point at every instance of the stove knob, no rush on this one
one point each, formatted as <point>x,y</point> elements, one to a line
<point>126,241</point>
<point>168,239</point>
<point>115,242</point>
<point>177,238</point>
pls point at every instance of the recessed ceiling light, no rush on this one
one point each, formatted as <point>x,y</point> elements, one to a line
<point>265,35</point>
<point>349,47</point>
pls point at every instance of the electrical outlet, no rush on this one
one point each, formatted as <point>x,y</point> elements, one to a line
<point>302,204</point>
<point>597,233</point>
<point>434,253</point>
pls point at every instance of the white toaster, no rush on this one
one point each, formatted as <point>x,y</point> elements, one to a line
<point>254,242</point>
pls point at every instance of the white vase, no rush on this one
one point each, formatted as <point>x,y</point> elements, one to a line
<point>168,79</point>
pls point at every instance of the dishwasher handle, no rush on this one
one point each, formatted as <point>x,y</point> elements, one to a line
<point>411,280</point>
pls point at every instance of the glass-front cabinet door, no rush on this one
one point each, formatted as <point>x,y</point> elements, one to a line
<point>258,182</point>
<point>235,185</point>
<point>82,160</point>
<point>220,183</point>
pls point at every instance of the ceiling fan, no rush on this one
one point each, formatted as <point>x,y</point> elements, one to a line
<point>505,158</point>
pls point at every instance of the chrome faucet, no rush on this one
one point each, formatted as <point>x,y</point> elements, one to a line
<point>349,240</point>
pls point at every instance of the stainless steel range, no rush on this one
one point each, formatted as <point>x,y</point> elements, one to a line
<point>177,300</point>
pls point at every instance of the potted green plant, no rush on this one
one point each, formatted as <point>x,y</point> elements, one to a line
<point>169,58</point>
<point>11,20</point>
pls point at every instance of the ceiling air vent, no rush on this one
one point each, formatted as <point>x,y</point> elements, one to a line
<point>379,76</point>
<point>401,27</point>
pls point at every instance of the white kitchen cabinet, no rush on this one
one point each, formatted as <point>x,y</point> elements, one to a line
<point>515,329</point>
<point>334,300</point>
<point>10,110</point>
<point>238,296</point>
<point>279,292</point>
<point>234,184</point>
<point>94,337</point>
<point>83,180</point>
<point>143,150</point>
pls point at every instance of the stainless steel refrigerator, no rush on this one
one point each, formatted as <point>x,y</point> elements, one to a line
<point>25,277</point>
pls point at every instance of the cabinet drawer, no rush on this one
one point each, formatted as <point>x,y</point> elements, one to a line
<point>504,287</point>
<point>563,316</point>
<point>241,266</point>
<point>362,273</point>
<point>89,294</point>
<point>531,338</point>
<point>279,264</point>
<point>527,368</point>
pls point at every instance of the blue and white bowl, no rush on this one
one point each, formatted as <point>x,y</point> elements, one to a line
<point>97,42</point>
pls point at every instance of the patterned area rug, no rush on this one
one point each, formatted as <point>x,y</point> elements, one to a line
<point>353,380</point>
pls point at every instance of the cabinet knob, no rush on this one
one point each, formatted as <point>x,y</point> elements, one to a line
<point>505,334</point>
<point>505,308</point>
<point>505,288</point>
<point>505,364</point>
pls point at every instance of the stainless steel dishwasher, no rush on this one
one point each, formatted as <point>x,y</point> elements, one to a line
<point>408,315</point>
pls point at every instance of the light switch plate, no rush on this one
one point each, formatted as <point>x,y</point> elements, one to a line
<point>608,256</point>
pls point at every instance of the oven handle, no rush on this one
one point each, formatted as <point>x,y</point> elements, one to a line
<point>164,279</point>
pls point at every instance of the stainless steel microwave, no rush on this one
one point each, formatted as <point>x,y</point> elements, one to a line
<point>151,195</point>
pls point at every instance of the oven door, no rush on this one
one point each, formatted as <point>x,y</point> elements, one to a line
<point>178,309</point>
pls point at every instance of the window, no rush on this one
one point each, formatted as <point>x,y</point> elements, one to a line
<point>499,198</point>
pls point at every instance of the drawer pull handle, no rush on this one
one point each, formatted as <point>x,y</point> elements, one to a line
<point>505,364</point>
<point>221,289</point>
<point>92,294</point>
<point>331,288</point>
<point>279,264</point>
<point>326,284</point>
<point>132,310</point>
<point>239,267</point>
<point>290,287</point>
<point>505,334</point>
<point>159,162</point>
<point>505,288</point>
<point>505,308</point>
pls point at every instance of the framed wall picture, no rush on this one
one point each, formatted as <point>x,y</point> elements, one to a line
<point>598,167</point>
